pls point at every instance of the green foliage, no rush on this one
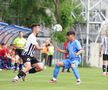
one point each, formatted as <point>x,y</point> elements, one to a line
<point>60,36</point>
<point>4,9</point>
<point>78,17</point>
<point>46,12</point>
<point>26,12</point>
<point>66,7</point>
<point>65,15</point>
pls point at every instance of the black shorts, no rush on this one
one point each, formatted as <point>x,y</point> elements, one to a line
<point>26,58</point>
<point>105,57</point>
<point>18,52</point>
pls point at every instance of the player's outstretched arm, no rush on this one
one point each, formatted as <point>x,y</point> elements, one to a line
<point>60,50</point>
<point>38,47</point>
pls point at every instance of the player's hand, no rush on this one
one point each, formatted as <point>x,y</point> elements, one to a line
<point>76,54</point>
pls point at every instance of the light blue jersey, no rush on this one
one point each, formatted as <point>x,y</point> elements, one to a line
<point>73,47</point>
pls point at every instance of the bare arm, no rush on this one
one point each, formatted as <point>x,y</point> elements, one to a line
<point>79,52</point>
<point>38,47</point>
<point>60,50</point>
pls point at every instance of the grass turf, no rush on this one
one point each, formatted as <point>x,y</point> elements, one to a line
<point>91,80</point>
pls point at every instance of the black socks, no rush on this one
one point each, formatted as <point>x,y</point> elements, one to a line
<point>104,68</point>
<point>107,68</point>
<point>20,74</point>
<point>32,70</point>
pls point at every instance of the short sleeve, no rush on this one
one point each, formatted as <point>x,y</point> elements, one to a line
<point>32,40</point>
<point>78,45</point>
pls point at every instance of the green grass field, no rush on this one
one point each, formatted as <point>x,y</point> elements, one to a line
<point>91,80</point>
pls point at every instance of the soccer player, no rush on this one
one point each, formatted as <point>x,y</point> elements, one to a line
<point>28,55</point>
<point>74,50</point>
<point>104,49</point>
<point>19,44</point>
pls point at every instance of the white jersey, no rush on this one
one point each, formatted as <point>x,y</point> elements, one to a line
<point>104,44</point>
<point>29,48</point>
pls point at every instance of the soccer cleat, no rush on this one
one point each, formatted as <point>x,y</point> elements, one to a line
<point>78,82</point>
<point>15,80</point>
<point>104,74</point>
<point>52,81</point>
<point>23,77</point>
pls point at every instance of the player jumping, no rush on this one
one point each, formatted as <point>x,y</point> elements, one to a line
<point>28,55</point>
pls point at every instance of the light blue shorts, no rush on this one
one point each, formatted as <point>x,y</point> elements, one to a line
<point>68,62</point>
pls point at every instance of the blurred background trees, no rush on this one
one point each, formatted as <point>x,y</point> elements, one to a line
<point>45,12</point>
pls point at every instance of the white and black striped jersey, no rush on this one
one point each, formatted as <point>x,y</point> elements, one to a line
<point>29,48</point>
<point>104,45</point>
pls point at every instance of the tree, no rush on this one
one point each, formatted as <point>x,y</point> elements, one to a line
<point>45,12</point>
<point>31,11</point>
<point>4,5</point>
<point>65,18</point>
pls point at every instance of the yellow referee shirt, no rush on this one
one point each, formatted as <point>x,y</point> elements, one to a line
<point>19,42</point>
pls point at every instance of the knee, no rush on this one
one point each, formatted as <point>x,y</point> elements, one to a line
<point>73,65</point>
<point>40,67</point>
<point>57,64</point>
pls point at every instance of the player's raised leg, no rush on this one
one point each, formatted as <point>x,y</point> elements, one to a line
<point>56,71</point>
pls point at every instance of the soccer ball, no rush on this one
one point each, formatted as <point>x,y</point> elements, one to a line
<point>57,28</point>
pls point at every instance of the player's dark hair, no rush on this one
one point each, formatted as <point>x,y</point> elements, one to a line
<point>34,25</point>
<point>70,33</point>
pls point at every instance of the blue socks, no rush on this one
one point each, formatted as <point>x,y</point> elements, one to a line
<point>56,71</point>
<point>76,73</point>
